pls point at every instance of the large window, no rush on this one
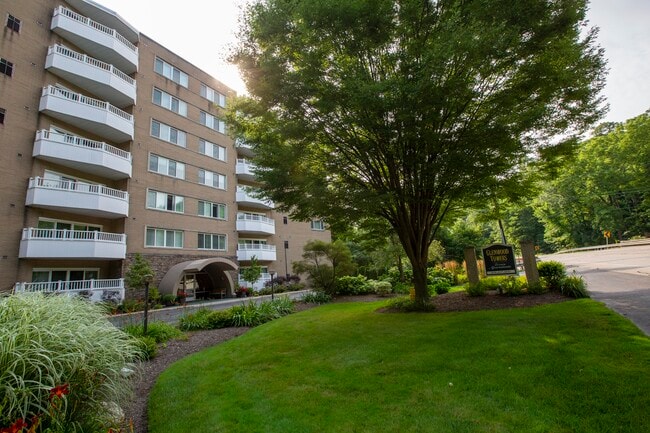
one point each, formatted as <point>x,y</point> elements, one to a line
<point>211,241</point>
<point>48,275</point>
<point>163,201</point>
<point>168,133</point>
<point>212,210</point>
<point>318,225</point>
<point>169,102</point>
<point>212,150</point>
<point>212,95</point>
<point>165,166</point>
<point>171,72</point>
<point>13,23</point>
<point>164,238</point>
<point>6,67</point>
<point>212,179</point>
<point>213,122</point>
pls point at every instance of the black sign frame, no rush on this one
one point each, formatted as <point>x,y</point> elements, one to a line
<point>500,259</point>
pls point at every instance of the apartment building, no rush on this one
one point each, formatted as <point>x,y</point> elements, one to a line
<point>114,146</point>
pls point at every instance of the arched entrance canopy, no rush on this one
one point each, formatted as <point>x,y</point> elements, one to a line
<point>216,267</point>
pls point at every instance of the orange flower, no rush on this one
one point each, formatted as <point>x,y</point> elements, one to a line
<point>60,391</point>
<point>16,427</point>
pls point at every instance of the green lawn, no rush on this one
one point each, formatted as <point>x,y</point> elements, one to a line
<point>569,367</point>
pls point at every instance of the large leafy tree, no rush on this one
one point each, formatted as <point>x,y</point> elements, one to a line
<point>395,109</point>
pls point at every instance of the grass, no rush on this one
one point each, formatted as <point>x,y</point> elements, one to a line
<point>569,367</point>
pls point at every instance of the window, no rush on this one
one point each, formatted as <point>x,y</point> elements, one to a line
<point>2,116</point>
<point>163,201</point>
<point>169,102</point>
<point>285,220</point>
<point>13,23</point>
<point>209,178</point>
<point>212,150</point>
<point>210,241</point>
<point>169,71</point>
<point>212,210</point>
<point>164,238</point>
<point>47,275</point>
<point>6,67</point>
<point>168,133</point>
<point>318,225</point>
<point>213,122</point>
<point>165,166</point>
<point>212,95</point>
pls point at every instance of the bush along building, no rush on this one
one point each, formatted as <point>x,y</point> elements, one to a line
<point>115,146</point>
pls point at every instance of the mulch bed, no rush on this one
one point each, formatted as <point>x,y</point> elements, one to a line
<point>199,340</point>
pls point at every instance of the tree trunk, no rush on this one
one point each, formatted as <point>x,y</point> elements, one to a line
<point>420,282</point>
<point>400,268</point>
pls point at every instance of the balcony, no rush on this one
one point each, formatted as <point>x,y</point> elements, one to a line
<point>255,224</point>
<point>263,252</point>
<point>97,77</point>
<point>246,197</point>
<point>83,154</point>
<point>71,244</point>
<point>77,197</point>
<point>94,290</point>
<point>96,39</point>
<point>243,148</point>
<point>245,170</point>
<point>87,113</point>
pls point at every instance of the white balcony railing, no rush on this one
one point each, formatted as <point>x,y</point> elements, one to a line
<point>98,77</point>
<point>91,114</point>
<point>263,252</point>
<point>252,223</point>
<point>72,244</point>
<point>245,170</point>
<point>77,197</point>
<point>82,154</point>
<point>93,37</point>
<point>96,290</point>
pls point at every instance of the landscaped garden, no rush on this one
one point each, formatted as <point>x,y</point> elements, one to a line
<point>569,367</point>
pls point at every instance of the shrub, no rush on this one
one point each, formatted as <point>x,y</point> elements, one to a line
<point>536,288</point>
<point>437,273</point>
<point>381,288</point>
<point>551,273</point>
<point>148,347</point>
<point>574,286</point>
<point>401,288</point>
<point>349,285</point>
<point>252,314</point>
<point>61,360</point>
<point>477,289</point>
<point>161,332</point>
<point>406,305</point>
<point>200,319</point>
<point>493,283</point>
<point>316,297</point>
<point>168,300</point>
<point>439,286</point>
<point>513,286</point>
<point>130,306</point>
<point>206,319</point>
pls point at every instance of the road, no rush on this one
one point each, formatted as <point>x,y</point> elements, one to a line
<point>619,277</point>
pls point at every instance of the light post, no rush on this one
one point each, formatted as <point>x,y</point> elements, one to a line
<point>148,278</point>
<point>272,285</point>
<point>286,263</point>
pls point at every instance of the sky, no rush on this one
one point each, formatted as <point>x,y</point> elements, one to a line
<point>201,31</point>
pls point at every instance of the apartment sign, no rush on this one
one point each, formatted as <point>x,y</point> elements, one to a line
<point>499,259</point>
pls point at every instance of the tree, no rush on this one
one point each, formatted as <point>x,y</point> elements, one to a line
<point>252,272</point>
<point>138,272</point>
<point>397,109</point>
<point>324,262</point>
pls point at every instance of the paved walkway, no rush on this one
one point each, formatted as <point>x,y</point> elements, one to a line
<point>619,277</point>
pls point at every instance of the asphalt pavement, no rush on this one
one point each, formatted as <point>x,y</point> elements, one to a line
<point>618,277</point>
